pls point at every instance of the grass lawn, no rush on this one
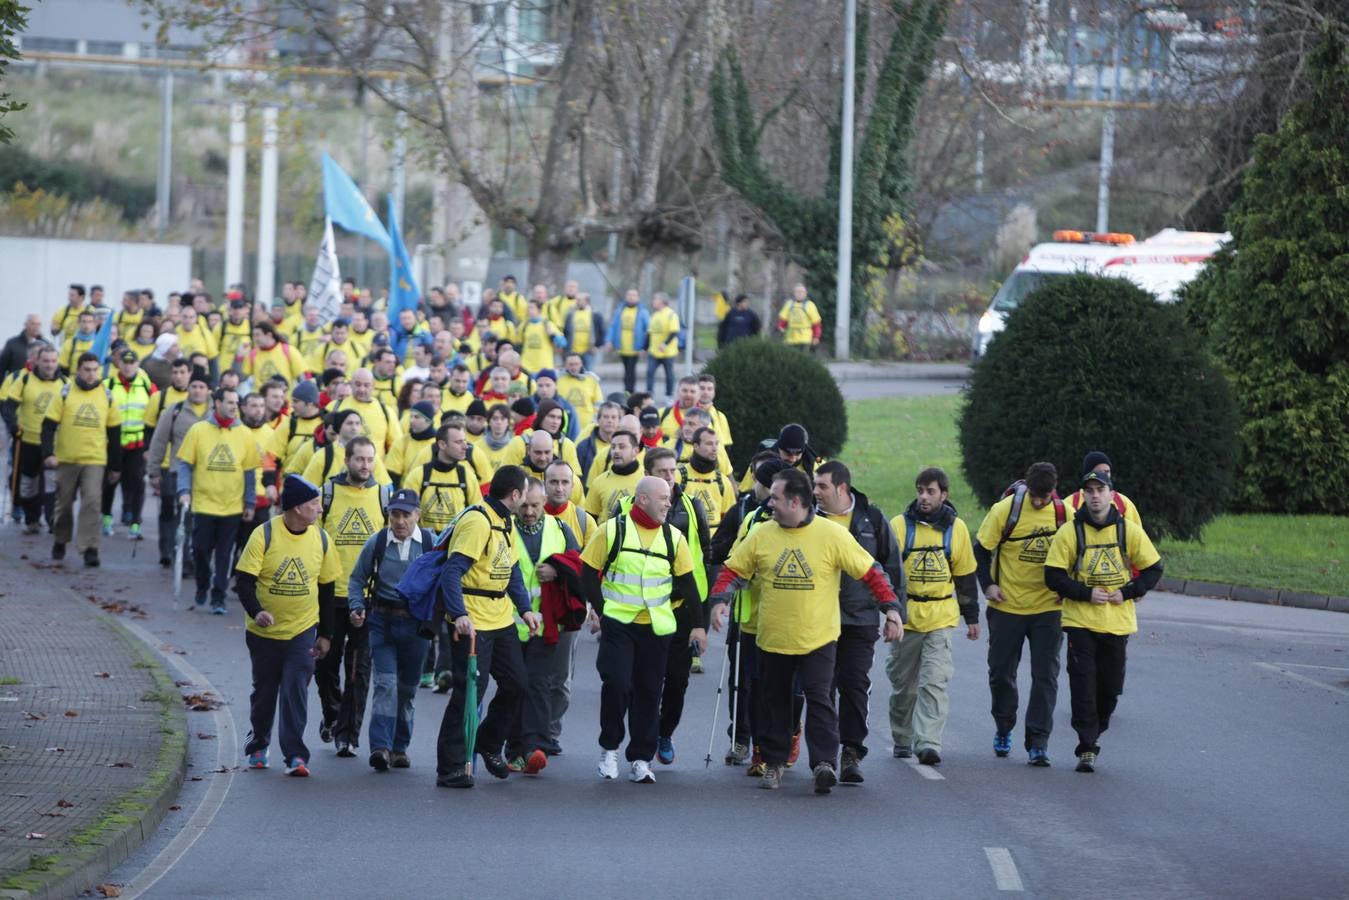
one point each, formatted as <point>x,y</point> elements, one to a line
<point>891,439</point>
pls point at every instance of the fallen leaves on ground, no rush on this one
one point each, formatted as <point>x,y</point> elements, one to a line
<point>202,702</point>
<point>70,714</point>
<point>36,836</point>
<point>174,808</point>
<point>64,804</point>
<point>102,674</point>
<point>122,764</point>
<point>109,890</point>
<point>203,736</point>
<point>34,717</point>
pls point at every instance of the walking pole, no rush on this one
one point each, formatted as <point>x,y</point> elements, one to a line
<point>716,710</point>
<point>13,477</point>
<point>733,635</point>
<point>179,539</point>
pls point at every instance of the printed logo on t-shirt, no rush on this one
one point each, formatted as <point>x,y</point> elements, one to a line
<point>502,562</point>
<point>354,528</point>
<point>86,416</point>
<point>42,401</point>
<point>290,579</point>
<point>792,573</point>
<point>266,371</point>
<point>1104,568</point>
<point>221,459</point>
<point>928,565</point>
<point>1035,549</point>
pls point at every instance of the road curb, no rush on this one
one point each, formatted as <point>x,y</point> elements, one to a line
<point>105,845</point>
<point>1245,594</point>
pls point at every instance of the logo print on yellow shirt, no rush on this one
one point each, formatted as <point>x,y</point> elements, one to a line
<point>501,561</point>
<point>928,566</point>
<point>792,573</point>
<point>438,508</point>
<point>1103,568</point>
<point>87,416</point>
<point>1035,549</point>
<point>354,528</point>
<point>221,459</point>
<point>41,403</point>
<point>290,579</point>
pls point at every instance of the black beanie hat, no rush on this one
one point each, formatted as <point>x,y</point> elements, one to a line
<point>792,438</point>
<point>1093,459</point>
<point>768,470</point>
<point>295,490</point>
<point>476,408</point>
<point>523,407</point>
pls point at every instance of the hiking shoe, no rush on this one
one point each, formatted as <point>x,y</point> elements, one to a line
<point>796,747</point>
<point>442,682</point>
<point>344,749</point>
<point>199,602</point>
<point>608,767</point>
<point>772,777</point>
<point>107,526</point>
<point>258,760</point>
<point>379,760</point>
<point>516,764</point>
<point>641,772</point>
<point>825,779</point>
<point>326,733</point>
<point>494,764</point>
<point>851,770</point>
<point>737,755</point>
<point>400,760</point>
<point>91,558</point>
<point>217,609</point>
<point>1086,761</point>
<point>32,528</point>
<point>298,767</point>
<point>1002,743</point>
<point>165,562</point>
<point>903,751</point>
<point>535,763</point>
<point>1038,756</point>
<point>428,679</point>
<point>929,757</point>
<point>460,779</point>
<point>756,765</point>
<point>58,551</point>
<point>665,751</point>
<point>696,666</point>
<point>135,533</point>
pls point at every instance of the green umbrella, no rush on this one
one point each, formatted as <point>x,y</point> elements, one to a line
<point>471,703</point>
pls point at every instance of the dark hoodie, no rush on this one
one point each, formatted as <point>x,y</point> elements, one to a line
<point>857,606</point>
<point>966,586</point>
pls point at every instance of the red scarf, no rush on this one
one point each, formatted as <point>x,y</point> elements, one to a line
<point>653,441</point>
<point>556,510</point>
<point>642,519</point>
<point>223,423</point>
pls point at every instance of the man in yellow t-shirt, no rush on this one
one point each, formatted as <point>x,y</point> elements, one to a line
<point>480,587</point>
<point>939,574</point>
<point>627,335</point>
<point>66,319</point>
<point>379,416</point>
<point>286,580</point>
<point>1091,565</point>
<point>616,482</point>
<point>632,567</point>
<point>662,344</point>
<point>81,436</point>
<point>1097,461</point>
<point>447,483</point>
<point>1021,609</point>
<point>581,389</point>
<point>27,396</point>
<point>799,557</point>
<point>799,321</point>
<point>217,479</point>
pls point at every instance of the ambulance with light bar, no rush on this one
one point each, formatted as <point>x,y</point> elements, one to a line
<point>1160,265</point>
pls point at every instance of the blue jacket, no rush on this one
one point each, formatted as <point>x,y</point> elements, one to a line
<point>614,335</point>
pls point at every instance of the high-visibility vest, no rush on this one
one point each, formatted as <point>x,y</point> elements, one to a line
<point>636,578</point>
<point>695,545</point>
<point>552,543</point>
<point>132,401</point>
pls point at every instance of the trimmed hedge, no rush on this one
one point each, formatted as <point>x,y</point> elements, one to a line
<point>1089,363</point>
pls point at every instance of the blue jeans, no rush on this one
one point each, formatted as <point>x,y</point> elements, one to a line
<point>397,653</point>
<point>281,673</point>
<point>652,364</point>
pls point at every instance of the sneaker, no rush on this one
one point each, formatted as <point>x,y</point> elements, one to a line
<point>298,767</point>
<point>929,757</point>
<point>442,682</point>
<point>217,609</point>
<point>200,601</point>
<point>696,666</point>
<point>135,533</point>
<point>107,526</point>
<point>851,770</point>
<point>1038,756</point>
<point>1086,761</point>
<point>641,772</point>
<point>460,779</point>
<point>796,748</point>
<point>165,562</point>
<point>536,762</point>
<point>903,751</point>
<point>825,779</point>
<point>494,764</point>
<point>737,755</point>
<point>379,760</point>
<point>326,733</point>
<point>428,679</point>
<point>756,765</point>
<point>91,558</point>
<point>772,777</point>
<point>608,767</point>
<point>665,751</point>
<point>400,760</point>
<point>32,528</point>
<point>516,764</point>
<point>58,551</point>
<point>258,760</point>
<point>344,750</point>
<point>1002,744</point>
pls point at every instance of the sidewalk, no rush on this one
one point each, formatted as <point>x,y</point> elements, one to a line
<point>92,729</point>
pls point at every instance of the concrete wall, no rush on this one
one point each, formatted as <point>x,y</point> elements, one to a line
<point>37,272</point>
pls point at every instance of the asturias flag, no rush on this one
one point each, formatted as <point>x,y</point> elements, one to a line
<point>347,206</point>
<point>403,290</point>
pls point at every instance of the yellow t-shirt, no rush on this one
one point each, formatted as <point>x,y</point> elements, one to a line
<point>799,319</point>
<point>160,401</point>
<point>663,334</point>
<point>282,359</point>
<point>714,490</point>
<point>230,339</point>
<point>66,321</point>
<point>596,553</point>
<point>319,466</point>
<point>406,449</point>
<point>289,570</point>
<point>379,420</point>
<point>310,345</point>
<point>355,514</point>
<point>536,345</point>
<point>606,489</point>
<point>930,574</point>
<point>1019,566</point>
<point>582,330</point>
<point>627,331</point>
<point>292,437</point>
<point>486,540</point>
<point>584,394</point>
<point>82,421</point>
<point>219,457</point>
<point>198,340</point>
<point>443,494</point>
<point>516,303</point>
<point>578,520</point>
<point>799,569</point>
<point>33,396</point>
<point>1103,567</point>
<point>452,402</point>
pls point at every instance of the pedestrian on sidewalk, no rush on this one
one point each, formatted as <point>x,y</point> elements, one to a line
<point>396,647</point>
<point>799,557</point>
<point>27,399</point>
<point>170,430</point>
<point>1091,565</point>
<point>131,391</point>
<point>286,576</point>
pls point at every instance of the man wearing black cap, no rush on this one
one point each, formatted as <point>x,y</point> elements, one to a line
<point>396,646</point>
<point>131,391</point>
<point>1091,565</point>
<point>286,577</point>
<point>1096,461</point>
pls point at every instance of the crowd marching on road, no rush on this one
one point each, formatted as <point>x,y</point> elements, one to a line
<point>428,501</point>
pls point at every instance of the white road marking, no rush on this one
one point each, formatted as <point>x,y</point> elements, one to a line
<point>1344,669</point>
<point>1282,671</point>
<point>1005,874</point>
<point>928,772</point>
<point>227,748</point>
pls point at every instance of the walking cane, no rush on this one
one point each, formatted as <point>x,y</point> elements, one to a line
<point>716,710</point>
<point>179,539</point>
<point>13,478</point>
<point>733,637</point>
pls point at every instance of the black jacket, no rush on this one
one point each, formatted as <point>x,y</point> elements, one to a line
<point>15,355</point>
<point>736,325</point>
<point>871,529</point>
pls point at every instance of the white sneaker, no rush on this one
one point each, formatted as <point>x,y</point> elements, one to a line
<point>608,767</point>
<point>641,772</point>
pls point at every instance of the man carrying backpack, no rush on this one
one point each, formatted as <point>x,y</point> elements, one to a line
<point>396,647</point>
<point>1091,566</point>
<point>939,572</point>
<point>1013,543</point>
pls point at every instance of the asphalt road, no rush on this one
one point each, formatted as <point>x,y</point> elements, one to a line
<point>1220,776</point>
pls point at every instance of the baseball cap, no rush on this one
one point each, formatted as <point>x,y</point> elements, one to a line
<point>1102,477</point>
<point>129,356</point>
<point>405,499</point>
<point>649,418</point>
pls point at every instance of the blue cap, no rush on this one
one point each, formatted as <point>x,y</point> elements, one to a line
<point>406,500</point>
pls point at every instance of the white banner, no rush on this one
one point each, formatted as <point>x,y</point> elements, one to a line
<point>325,288</point>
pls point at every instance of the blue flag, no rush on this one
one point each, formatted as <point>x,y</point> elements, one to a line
<point>403,290</point>
<point>347,206</point>
<point>102,338</point>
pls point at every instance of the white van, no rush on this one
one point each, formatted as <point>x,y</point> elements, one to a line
<point>1161,265</point>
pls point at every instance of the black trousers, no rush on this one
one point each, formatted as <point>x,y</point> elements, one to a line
<point>1007,632</point>
<point>132,483</point>
<point>213,542</point>
<point>852,684</point>
<point>32,485</point>
<point>677,662</point>
<point>778,675</point>
<point>343,678</point>
<point>1095,680</point>
<point>500,659</point>
<point>534,723</point>
<point>742,690</point>
<point>281,672</point>
<point>631,663</point>
<point>168,518</point>
<point>629,372</point>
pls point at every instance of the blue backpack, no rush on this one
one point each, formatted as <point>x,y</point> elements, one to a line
<point>419,582</point>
